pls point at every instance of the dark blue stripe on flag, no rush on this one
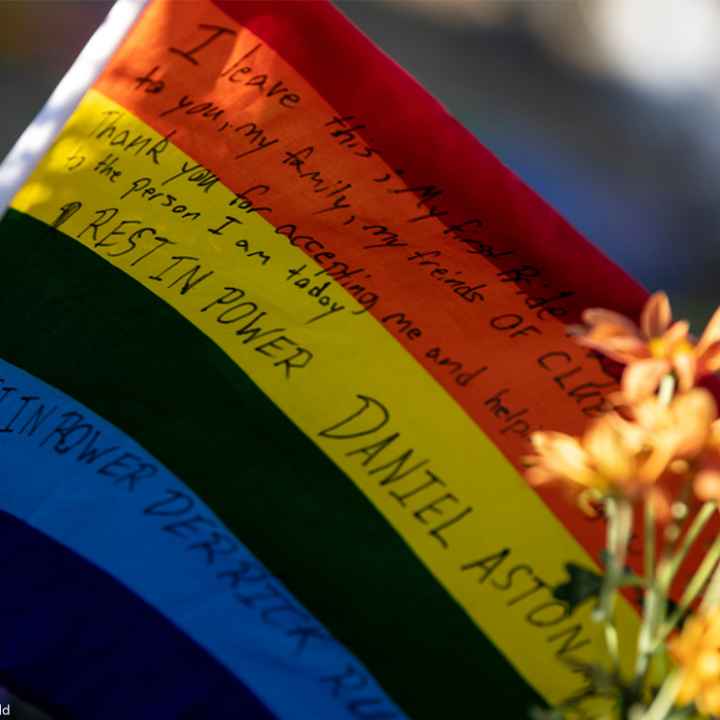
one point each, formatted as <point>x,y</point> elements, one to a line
<point>81,645</point>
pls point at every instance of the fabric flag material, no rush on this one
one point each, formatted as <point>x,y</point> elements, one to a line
<point>269,309</point>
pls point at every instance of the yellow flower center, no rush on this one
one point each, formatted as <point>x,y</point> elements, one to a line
<point>658,347</point>
<point>684,348</point>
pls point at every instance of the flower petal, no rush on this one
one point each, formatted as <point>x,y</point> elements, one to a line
<point>709,359</point>
<point>601,316</point>
<point>604,443</point>
<point>693,415</point>
<point>656,464</point>
<point>711,333</point>
<point>710,701</point>
<point>656,315</point>
<point>685,366</point>
<point>538,475</point>
<point>629,346</point>
<point>559,457</point>
<point>566,456</point>
<point>689,689</point>
<point>677,333</point>
<point>621,348</point>
<point>642,377</point>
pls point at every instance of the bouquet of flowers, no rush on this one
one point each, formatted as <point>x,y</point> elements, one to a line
<point>653,462</point>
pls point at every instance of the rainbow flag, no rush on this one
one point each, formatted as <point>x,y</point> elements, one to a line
<point>276,330</point>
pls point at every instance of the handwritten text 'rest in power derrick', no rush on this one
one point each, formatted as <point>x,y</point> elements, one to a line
<point>49,424</point>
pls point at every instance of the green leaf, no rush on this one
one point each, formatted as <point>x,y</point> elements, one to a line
<point>582,585</point>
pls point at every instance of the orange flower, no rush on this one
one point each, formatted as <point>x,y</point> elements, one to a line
<point>678,433</point>
<point>680,429</point>
<point>696,650</point>
<point>656,348</point>
<point>630,455</point>
<point>612,457</point>
<point>686,430</point>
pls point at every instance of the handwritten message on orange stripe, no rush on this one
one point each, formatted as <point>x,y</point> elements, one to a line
<point>245,115</point>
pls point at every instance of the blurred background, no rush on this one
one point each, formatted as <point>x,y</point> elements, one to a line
<point>609,109</point>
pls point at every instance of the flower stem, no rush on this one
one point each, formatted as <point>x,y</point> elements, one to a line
<point>665,699</point>
<point>697,526</point>
<point>649,532</point>
<point>712,594</point>
<point>667,388</point>
<point>619,516</point>
<point>693,589</point>
<point>652,601</point>
<point>657,583</point>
